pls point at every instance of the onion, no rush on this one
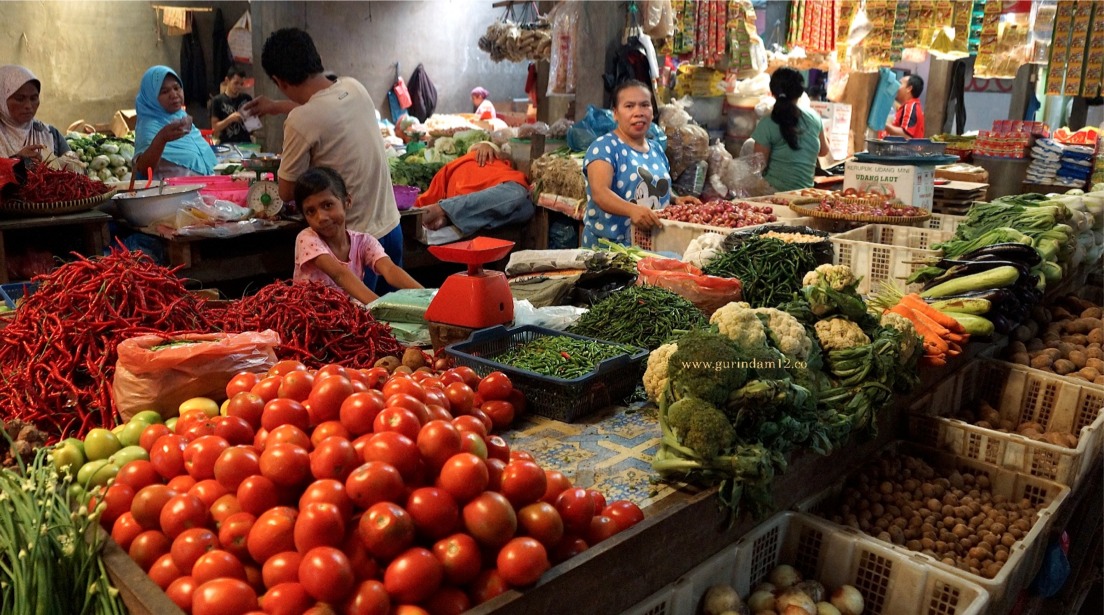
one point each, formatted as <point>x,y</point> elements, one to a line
<point>765,587</point>
<point>785,576</point>
<point>762,600</point>
<point>719,599</point>
<point>824,608</point>
<point>848,600</point>
<point>812,589</point>
<point>790,599</point>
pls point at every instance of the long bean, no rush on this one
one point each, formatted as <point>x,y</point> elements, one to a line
<point>561,356</point>
<point>770,269</point>
<point>642,316</point>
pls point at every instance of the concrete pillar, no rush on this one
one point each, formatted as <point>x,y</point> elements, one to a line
<point>268,17</point>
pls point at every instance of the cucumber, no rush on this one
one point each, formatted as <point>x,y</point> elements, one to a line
<point>994,278</point>
<point>973,324</point>
<point>977,306</point>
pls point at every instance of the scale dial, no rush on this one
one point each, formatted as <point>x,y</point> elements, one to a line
<point>264,198</point>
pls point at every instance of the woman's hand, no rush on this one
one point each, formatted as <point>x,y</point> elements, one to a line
<point>31,151</point>
<point>644,217</point>
<point>175,130</point>
<point>484,153</point>
<point>687,200</point>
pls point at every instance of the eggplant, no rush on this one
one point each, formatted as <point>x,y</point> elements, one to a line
<point>1011,251</point>
<point>1000,323</point>
<point>962,268</point>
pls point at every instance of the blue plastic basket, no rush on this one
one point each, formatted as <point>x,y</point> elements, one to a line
<point>12,293</point>
<point>556,398</point>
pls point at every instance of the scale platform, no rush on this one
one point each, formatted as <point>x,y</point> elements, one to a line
<point>476,298</point>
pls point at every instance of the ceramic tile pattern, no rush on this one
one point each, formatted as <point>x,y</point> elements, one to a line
<point>610,451</point>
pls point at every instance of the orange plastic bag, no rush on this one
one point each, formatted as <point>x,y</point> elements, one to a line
<point>708,292</point>
<point>149,379</point>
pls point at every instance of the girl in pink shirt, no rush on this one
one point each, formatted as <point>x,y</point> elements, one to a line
<point>328,252</point>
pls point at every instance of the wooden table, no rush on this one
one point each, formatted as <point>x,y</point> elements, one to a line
<point>91,226</point>
<point>212,260</point>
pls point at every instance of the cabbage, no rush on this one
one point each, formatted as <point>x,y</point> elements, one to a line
<point>99,162</point>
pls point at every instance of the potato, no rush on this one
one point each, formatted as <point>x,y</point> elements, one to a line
<point>1094,352</point>
<point>388,362</point>
<point>1097,364</point>
<point>1076,340</point>
<point>1042,361</point>
<point>1021,358</point>
<point>1071,440</point>
<point>413,358</point>
<point>1063,367</point>
<point>1017,346</point>
<point>1053,353</point>
<point>1078,358</point>
<point>1035,345</point>
<point>1096,336</point>
<point>1054,437</point>
<point>1066,348</point>
<point>1022,333</point>
<point>1093,312</point>
<point>1089,373</point>
<point>1052,343</point>
<point>1098,380</point>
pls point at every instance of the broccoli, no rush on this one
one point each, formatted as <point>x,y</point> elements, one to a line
<point>701,427</point>
<point>705,365</point>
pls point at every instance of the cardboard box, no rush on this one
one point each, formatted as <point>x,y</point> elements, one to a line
<point>912,185</point>
<point>123,121</point>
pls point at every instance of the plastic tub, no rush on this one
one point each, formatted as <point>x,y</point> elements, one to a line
<point>405,196</point>
<point>222,187</point>
<point>145,207</point>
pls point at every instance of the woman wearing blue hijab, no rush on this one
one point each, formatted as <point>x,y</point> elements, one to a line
<point>165,138</point>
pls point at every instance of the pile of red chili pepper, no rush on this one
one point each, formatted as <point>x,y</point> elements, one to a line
<point>57,357</point>
<point>318,324</point>
<point>46,185</point>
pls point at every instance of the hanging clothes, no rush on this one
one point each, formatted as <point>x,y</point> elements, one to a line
<point>193,69</point>
<point>221,58</point>
<point>956,99</point>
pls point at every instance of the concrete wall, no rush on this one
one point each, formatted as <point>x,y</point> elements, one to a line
<point>364,40</point>
<point>90,54</point>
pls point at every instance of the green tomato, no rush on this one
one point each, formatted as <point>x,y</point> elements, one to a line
<point>69,455</point>
<point>100,444</point>
<point>171,424</point>
<point>96,473</point>
<point>77,493</point>
<point>149,416</point>
<point>131,432</point>
<point>128,454</point>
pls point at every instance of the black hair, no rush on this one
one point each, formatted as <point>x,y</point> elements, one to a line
<point>235,71</point>
<point>289,54</point>
<point>787,85</point>
<point>916,84</point>
<point>319,179</point>
<point>624,85</point>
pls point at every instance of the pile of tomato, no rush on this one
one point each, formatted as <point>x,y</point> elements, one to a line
<point>349,491</point>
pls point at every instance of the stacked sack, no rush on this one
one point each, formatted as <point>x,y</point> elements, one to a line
<point>1046,160</point>
<point>1076,166</point>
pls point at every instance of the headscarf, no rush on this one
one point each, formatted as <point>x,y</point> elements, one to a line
<point>13,136</point>
<point>480,91</point>
<point>189,151</point>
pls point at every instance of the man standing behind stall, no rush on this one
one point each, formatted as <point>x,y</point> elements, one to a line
<point>909,119</point>
<point>331,123</point>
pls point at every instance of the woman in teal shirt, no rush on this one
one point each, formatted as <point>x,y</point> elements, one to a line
<point>791,138</point>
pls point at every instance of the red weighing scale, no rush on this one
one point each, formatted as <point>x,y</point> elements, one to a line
<point>475,298</point>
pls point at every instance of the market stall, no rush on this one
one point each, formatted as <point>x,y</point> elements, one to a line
<point>886,398</point>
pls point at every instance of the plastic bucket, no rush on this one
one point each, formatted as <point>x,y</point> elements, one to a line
<point>405,196</point>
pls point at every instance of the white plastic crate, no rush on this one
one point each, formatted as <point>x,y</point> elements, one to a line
<point>887,252</point>
<point>892,583</point>
<point>944,222</point>
<point>673,236</point>
<point>1020,394</point>
<point>1026,554</point>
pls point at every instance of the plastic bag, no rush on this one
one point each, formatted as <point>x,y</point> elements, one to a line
<point>555,317</point>
<point>709,293</point>
<point>593,286</point>
<point>565,35</point>
<point>744,176</point>
<point>674,115</point>
<point>152,378</point>
<point>822,251</point>
<point>526,131</point>
<point>404,305</point>
<point>685,147</point>
<point>535,261</point>
<point>594,124</point>
<point>559,128</point>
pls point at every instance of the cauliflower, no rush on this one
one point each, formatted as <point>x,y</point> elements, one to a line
<point>739,323</point>
<point>836,277</point>
<point>787,333</point>
<point>910,340</point>
<point>839,334</point>
<point>657,372</point>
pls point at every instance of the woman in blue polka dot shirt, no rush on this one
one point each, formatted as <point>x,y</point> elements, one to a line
<point>628,176</point>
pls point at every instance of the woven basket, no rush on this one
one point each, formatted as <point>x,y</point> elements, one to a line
<point>831,215</point>
<point>28,209</point>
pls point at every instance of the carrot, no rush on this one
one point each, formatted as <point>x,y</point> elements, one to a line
<point>934,361</point>
<point>934,344</point>
<point>914,302</point>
